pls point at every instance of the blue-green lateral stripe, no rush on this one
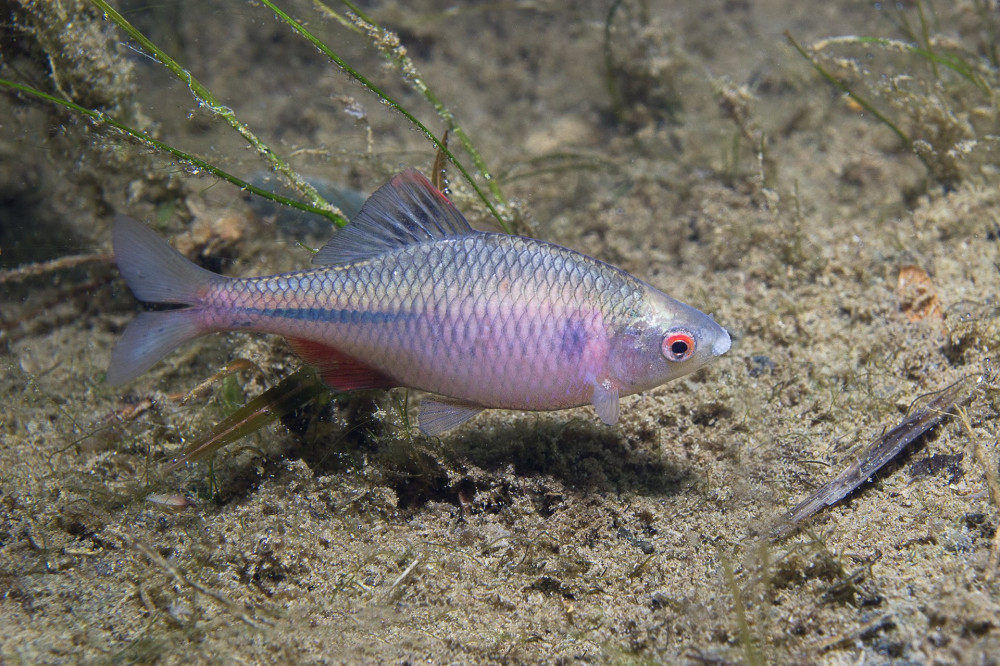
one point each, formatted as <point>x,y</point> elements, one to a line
<point>325,315</point>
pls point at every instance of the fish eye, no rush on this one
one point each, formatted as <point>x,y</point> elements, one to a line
<point>678,346</point>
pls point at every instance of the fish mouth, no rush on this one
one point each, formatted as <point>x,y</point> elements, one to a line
<point>722,343</point>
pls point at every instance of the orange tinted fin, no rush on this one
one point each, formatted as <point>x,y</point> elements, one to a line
<point>337,370</point>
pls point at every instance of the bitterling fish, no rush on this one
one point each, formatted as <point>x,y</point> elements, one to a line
<point>408,294</point>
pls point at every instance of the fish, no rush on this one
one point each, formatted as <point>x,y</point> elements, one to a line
<point>408,294</point>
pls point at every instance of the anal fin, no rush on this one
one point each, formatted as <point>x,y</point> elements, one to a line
<point>338,370</point>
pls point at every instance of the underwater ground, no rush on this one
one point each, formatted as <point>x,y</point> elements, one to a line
<point>833,203</point>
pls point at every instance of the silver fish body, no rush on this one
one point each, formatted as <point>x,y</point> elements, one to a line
<point>409,295</point>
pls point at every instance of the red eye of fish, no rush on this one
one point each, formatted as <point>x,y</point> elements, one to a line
<point>678,346</point>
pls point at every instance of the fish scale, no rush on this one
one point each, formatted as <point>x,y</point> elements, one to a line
<point>409,295</point>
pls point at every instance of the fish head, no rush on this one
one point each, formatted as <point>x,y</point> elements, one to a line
<point>662,340</point>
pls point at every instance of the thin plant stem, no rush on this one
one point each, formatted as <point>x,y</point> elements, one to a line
<point>102,118</point>
<point>617,102</point>
<point>862,102</point>
<point>392,103</point>
<point>925,33</point>
<point>379,36</point>
<point>954,63</point>
<point>205,97</point>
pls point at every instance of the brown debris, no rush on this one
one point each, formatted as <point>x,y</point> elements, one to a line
<point>917,297</point>
<point>211,234</point>
<point>989,464</point>
<point>170,501</point>
<point>233,367</point>
<point>879,453</point>
<point>439,176</point>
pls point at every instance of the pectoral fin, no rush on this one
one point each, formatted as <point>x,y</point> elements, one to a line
<point>606,401</point>
<point>438,415</point>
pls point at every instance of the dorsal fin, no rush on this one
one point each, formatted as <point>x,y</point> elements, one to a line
<point>406,210</point>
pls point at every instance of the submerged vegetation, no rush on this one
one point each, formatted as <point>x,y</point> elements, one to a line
<point>38,22</point>
<point>938,94</point>
<point>691,147</point>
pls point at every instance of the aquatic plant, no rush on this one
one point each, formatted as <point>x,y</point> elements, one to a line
<point>937,94</point>
<point>642,89</point>
<point>386,41</point>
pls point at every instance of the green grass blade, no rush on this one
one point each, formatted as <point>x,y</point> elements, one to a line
<point>205,97</point>
<point>926,34</point>
<point>102,118</point>
<point>864,103</point>
<point>292,392</point>
<point>954,63</point>
<point>392,103</point>
<point>378,36</point>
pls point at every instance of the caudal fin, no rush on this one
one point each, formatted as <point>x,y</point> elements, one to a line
<point>147,339</point>
<point>156,273</point>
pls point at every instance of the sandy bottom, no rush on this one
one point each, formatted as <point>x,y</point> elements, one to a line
<point>341,536</point>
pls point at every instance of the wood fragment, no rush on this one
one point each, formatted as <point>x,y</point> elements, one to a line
<point>392,593</point>
<point>882,622</point>
<point>877,454</point>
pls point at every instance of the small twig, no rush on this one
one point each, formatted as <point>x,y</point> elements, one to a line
<point>403,576</point>
<point>28,271</point>
<point>877,623</point>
